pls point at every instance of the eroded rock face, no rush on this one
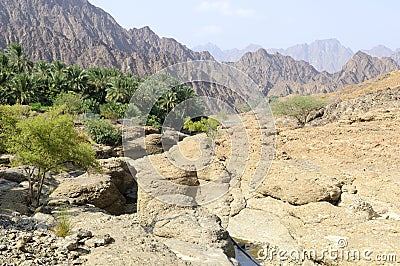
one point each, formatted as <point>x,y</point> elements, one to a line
<point>119,172</point>
<point>174,223</point>
<point>302,189</point>
<point>13,197</point>
<point>95,189</point>
<point>196,226</point>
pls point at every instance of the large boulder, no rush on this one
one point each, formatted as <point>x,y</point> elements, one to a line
<point>301,189</point>
<point>118,170</point>
<point>154,144</point>
<point>95,189</point>
<point>197,226</point>
<point>14,174</point>
<point>104,151</point>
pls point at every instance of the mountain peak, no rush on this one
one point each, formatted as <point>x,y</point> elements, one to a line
<point>361,54</point>
<point>380,51</point>
<point>363,66</point>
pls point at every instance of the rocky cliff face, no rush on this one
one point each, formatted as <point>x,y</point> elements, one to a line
<point>278,74</point>
<point>396,57</point>
<point>76,32</point>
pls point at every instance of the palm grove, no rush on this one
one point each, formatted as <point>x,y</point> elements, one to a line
<point>40,102</point>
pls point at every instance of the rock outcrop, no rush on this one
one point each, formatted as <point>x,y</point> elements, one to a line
<point>14,174</point>
<point>96,189</point>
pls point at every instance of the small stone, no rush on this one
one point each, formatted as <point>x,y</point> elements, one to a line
<point>99,241</point>
<point>77,262</point>
<point>21,243</point>
<point>3,247</point>
<point>83,233</point>
<point>71,245</point>
<point>11,236</point>
<point>107,239</point>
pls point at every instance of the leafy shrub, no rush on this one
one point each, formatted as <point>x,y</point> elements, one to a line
<point>154,121</point>
<point>71,100</point>
<point>113,110</point>
<point>103,132</point>
<point>205,125</point>
<point>90,106</point>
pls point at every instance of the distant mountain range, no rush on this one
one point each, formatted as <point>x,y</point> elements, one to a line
<point>76,32</point>
<point>280,75</point>
<point>325,55</point>
<point>231,55</point>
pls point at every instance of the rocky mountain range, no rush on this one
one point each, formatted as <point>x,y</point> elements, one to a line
<point>381,51</point>
<point>229,55</point>
<point>76,32</point>
<point>324,55</point>
<point>280,75</point>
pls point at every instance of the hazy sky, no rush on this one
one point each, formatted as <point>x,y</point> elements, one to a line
<point>358,24</point>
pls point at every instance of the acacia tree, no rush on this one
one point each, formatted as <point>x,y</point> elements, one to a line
<point>298,107</point>
<point>45,143</point>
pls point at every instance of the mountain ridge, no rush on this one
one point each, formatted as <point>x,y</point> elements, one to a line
<point>280,75</point>
<point>77,32</point>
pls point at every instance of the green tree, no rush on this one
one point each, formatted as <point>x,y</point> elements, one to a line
<point>298,107</point>
<point>103,132</point>
<point>168,101</point>
<point>45,143</point>
<point>18,59</point>
<point>77,79</point>
<point>22,88</point>
<point>98,79</point>
<point>9,117</point>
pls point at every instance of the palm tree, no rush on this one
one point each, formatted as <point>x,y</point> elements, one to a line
<point>77,78</point>
<point>22,88</point>
<point>168,101</point>
<point>6,96</point>
<point>98,80</point>
<point>19,60</point>
<point>118,90</point>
